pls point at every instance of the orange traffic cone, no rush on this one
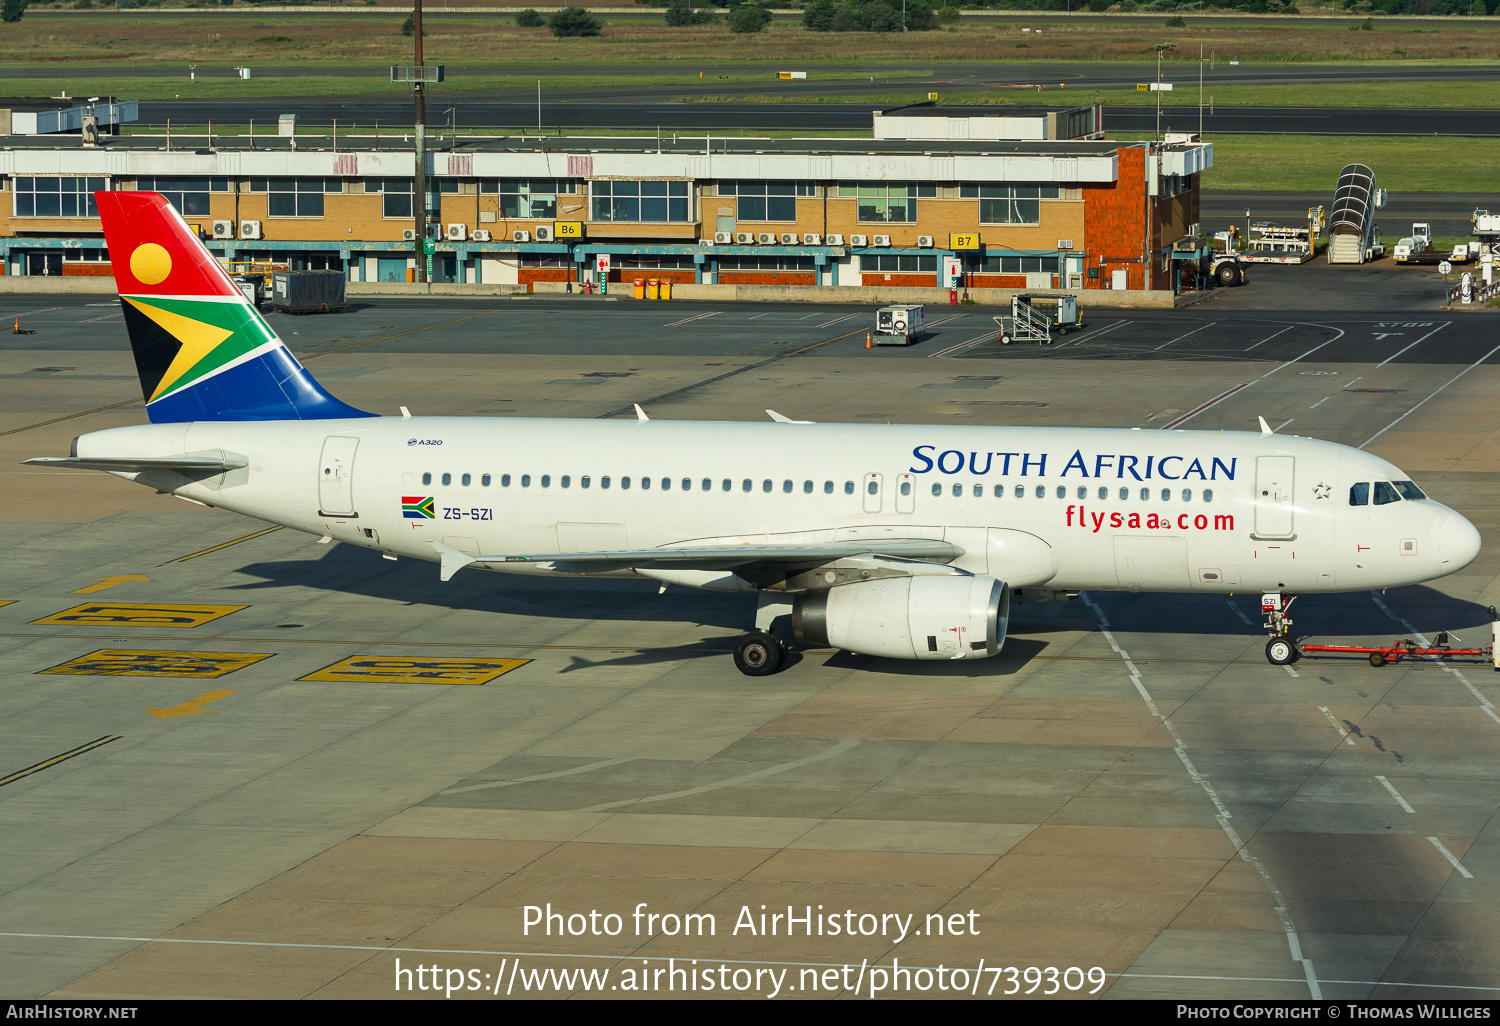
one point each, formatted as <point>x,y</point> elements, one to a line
<point>869,341</point>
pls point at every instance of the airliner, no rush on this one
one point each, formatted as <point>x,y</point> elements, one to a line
<point>895,541</point>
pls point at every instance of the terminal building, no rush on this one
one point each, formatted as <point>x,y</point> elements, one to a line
<point>1051,205</point>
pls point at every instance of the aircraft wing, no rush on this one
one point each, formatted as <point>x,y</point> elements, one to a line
<point>212,462</point>
<point>708,557</point>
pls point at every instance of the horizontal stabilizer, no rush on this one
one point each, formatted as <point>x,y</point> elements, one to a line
<point>215,461</point>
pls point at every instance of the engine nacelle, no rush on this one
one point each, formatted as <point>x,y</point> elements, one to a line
<point>923,617</point>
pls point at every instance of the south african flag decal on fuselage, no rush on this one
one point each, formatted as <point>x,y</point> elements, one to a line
<point>418,507</point>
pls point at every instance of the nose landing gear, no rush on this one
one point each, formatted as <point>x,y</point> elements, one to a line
<point>1280,650</point>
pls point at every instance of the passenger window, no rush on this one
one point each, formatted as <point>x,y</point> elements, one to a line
<point>465,480</point>
<point>765,486</point>
<point>427,478</point>
<point>604,481</point>
<point>1187,495</point>
<point>999,491</point>
<point>525,480</point>
<point>485,480</point>
<point>848,487</point>
<point>1208,495</point>
<point>546,480</point>
<point>1385,492</point>
<point>504,480</point>
<point>979,491</point>
<point>905,487</point>
<point>1041,491</point>
<point>583,482</point>
<point>566,481</point>
<point>937,491</point>
<point>958,491</point>
<point>645,482</point>
<point>786,487</point>
<point>807,487</point>
<point>1083,493</point>
<point>827,487</point>
<point>1409,490</point>
<point>1062,491</point>
<point>1166,495</point>
<point>745,485</point>
<point>666,484</point>
<point>1125,494</point>
<point>1103,493</point>
<point>873,488</point>
<point>1020,491</point>
<point>707,484</point>
<point>1145,495</point>
<point>624,482</point>
<point>447,479</point>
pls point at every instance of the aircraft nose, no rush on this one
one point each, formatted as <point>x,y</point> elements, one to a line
<point>1458,543</point>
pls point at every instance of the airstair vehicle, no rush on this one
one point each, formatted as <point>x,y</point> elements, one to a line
<point>1355,238</point>
<point>1028,324</point>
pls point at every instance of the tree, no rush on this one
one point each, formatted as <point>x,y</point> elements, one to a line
<point>12,10</point>
<point>818,16</point>
<point>871,16</point>
<point>680,14</point>
<point>948,16</point>
<point>748,17</point>
<point>529,18</point>
<point>574,21</point>
<point>409,27</point>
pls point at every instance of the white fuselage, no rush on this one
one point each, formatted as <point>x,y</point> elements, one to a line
<point>1076,508</point>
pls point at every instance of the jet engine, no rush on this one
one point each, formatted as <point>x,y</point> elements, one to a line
<point>921,617</point>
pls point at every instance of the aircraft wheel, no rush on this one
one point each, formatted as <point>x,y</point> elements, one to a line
<point>1377,659</point>
<point>1280,651</point>
<point>758,654</point>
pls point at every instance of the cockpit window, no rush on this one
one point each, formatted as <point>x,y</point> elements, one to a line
<point>1359,495</point>
<point>1385,492</point>
<point>1409,490</point>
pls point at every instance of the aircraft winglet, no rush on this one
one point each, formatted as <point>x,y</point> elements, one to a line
<point>1265,429</point>
<point>640,414</point>
<point>782,418</point>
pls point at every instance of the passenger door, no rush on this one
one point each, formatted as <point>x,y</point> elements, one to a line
<point>872,486</point>
<point>1274,477</point>
<point>336,477</point>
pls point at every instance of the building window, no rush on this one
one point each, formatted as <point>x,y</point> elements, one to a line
<point>766,201</point>
<point>640,201</point>
<point>295,197</point>
<point>188,195</point>
<point>895,262</point>
<point>1009,204</point>
<point>395,197</point>
<point>887,203</point>
<point>527,197</point>
<point>58,197</point>
<point>767,263</point>
<point>1016,265</point>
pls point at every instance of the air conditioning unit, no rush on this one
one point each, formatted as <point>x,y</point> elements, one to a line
<point>520,236</point>
<point>408,235</point>
<point>249,229</point>
<point>223,229</point>
<point>481,235</point>
<point>1064,243</point>
<point>835,240</point>
<point>924,242</point>
<point>859,240</point>
<point>766,238</point>
<point>882,240</point>
<point>812,240</point>
<point>457,232</point>
<point>723,238</point>
<point>744,238</point>
<point>544,233</point>
<point>788,238</point>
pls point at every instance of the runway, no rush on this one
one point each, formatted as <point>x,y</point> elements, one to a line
<point>365,770</point>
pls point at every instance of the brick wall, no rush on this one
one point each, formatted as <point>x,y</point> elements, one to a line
<point>768,278</point>
<point>1116,218</point>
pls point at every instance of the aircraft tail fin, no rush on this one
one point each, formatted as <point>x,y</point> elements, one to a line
<point>203,352</point>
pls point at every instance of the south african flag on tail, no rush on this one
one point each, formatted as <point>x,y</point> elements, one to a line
<point>418,507</point>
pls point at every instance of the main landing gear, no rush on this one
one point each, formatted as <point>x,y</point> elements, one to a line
<point>1281,649</point>
<point>759,654</point>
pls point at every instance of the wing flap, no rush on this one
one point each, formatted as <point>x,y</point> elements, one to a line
<point>705,557</point>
